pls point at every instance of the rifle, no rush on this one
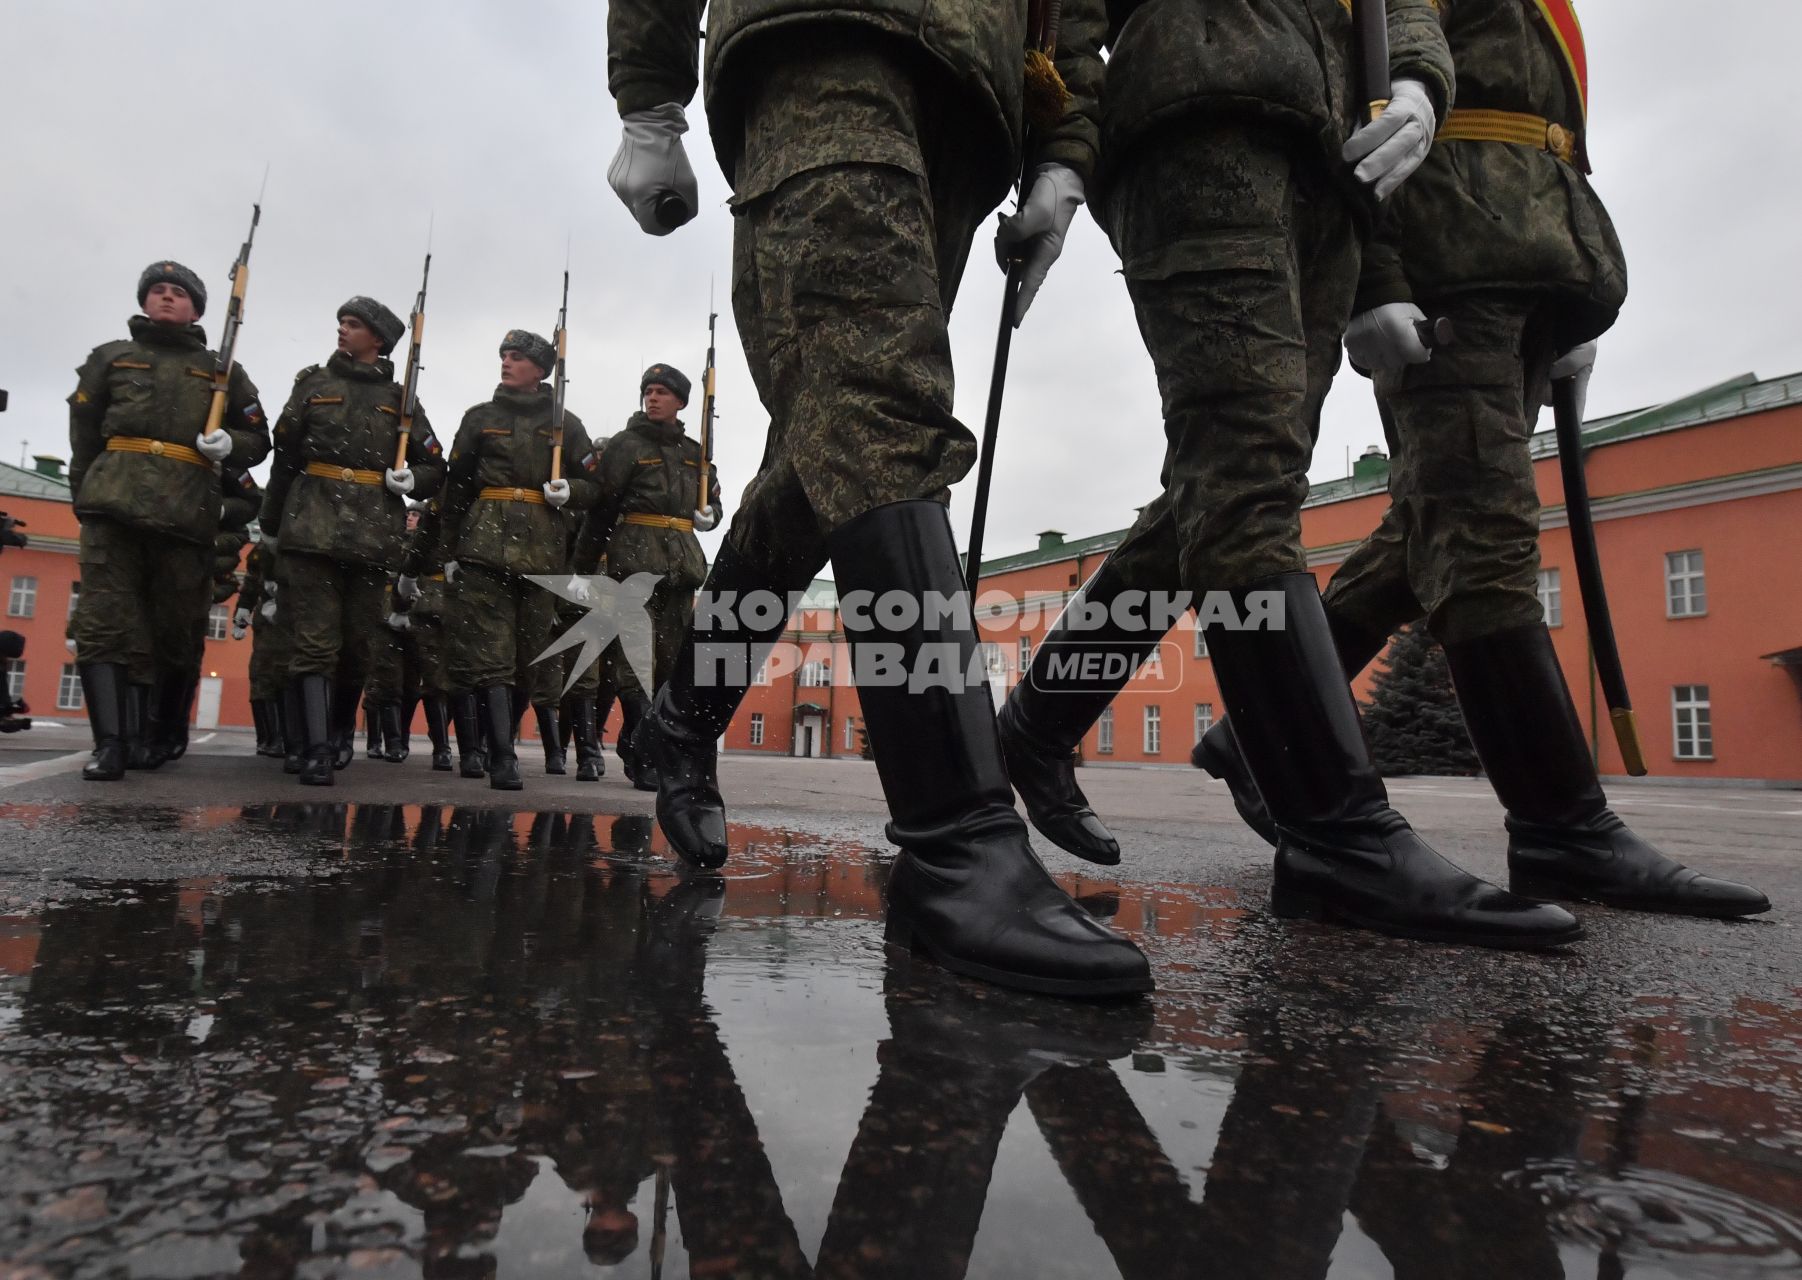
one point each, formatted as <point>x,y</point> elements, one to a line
<point>409,394</point>
<point>234,320</point>
<point>558,382</point>
<point>708,388</point>
<point>1370,28</point>
<point>1567,421</point>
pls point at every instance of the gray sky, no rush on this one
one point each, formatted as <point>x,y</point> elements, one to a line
<point>136,131</point>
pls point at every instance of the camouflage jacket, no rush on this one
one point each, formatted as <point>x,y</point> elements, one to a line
<point>345,416</point>
<point>1287,63</point>
<point>1499,215</point>
<point>153,390</point>
<point>649,469</point>
<point>256,573</point>
<point>980,44</point>
<point>505,444</point>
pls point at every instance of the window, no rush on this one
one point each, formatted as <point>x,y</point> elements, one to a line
<point>1154,731</point>
<point>23,602</point>
<point>74,597</point>
<point>762,674</point>
<point>850,733</point>
<point>1025,653</point>
<point>1201,643</point>
<point>68,689</point>
<point>15,678</point>
<point>218,622</point>
<point>757,728</point>
<point>1104,733</point>
<point>1204,718</point>
<point>1692,728</point>
<point>1551,597</point>
<point>816,675</point>
<point>1685,593</point>
<point>994,662</point>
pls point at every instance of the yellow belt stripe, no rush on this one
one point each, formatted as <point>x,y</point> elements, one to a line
<point>496,494</point>
<point>1476,124</point>
<point>156,448</point>
<point>350,475</point>
<point>659,522</point>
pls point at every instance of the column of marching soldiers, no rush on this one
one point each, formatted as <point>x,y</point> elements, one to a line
<point>385,573</point>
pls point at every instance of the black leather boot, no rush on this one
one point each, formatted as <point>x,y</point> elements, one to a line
<point>140,727</point>
<point>316,707</point>
<point>103,690</point>
<point>1218,754</point>
<point>1342,853</point>
<point>177,712</point>
<point>677,741</point>
<point>578,719</point>
<point>267,713</point>
<point>435,717</point>
<point>344,700</point>
<point>496,704</point>
<point>635,710</point>
<point>472,754</point>
<point>372,729</point>
<point>294,729</point>
<point>517,702</point>
<point>1077,671</point>
<point>555,761</point>
<point>1563,839</point>
<point>396,744</point>
<point>966,887</point>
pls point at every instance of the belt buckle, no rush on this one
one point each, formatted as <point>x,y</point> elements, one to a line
<point>519,495</point>
<point>1558,141</point>
<point>157,447</point>
<point>347,474</point>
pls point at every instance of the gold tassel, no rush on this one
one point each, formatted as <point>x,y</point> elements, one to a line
<point>1046,97</point>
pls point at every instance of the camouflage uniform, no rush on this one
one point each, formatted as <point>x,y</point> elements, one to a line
<point>341,531</point>
<point>148,503</point>
<point>1459,544</point>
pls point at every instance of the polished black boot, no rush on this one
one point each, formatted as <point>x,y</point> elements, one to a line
<point>373,730</point>
<point>966,887</point>
<point>1077,671</point>
<point>578,720</point>
<point>317,698</point>
<point>435,718</point>
<point>635,709</point>
<point>268,714</point>
<point>555,761</point>
<point>1342,853</point>
<point>517,702</point>
<point>140,727</point>
<point>345,698</point>
<point>1218,754</point>
<point>496,705</point>
<point>396,740</point>
<point>1563,839</point>
<point>677,741</point>
<point>103,690</point>
<point>294,729</point>
<point>176,715</point>
<point>472,755</point>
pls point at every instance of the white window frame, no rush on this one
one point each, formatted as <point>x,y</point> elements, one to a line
<point>69,696</point>
<point>762,675</point>
<point>1201,641</point>
<point>22,600</point>
<point>218,622</point>
<point>757,728</point>
<point>816,674</point>
<point>1204,718</point>
<point>1685,584</point>
<point>15,678</point>
<point>1692,716</point>
<point>1153,724</point>
<point>74,597</point>
<point>1551,596</point>
<point>1104,733</point>
<point>1025,653</point>
<point>850,733</point>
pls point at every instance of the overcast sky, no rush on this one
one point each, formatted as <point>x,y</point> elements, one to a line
<point>136,131</point>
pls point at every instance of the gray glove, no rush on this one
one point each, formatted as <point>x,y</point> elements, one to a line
<point>706,518</point>
<point>399,482</point>
<point>406,588</point>
<point>1385,338</point>
<point>268,611</point>
<point>451,568</point>
<point>1392,146</point>
<point>1039,227</point>
<point>650,172</point>
<point>216,447</point>
<point>399,622</point>
<point>1576,363</point>
<point>556,492</point>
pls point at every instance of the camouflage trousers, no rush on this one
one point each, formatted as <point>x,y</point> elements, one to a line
<point>671,610</point>
<point>1241,261</point>
<point>497,623</point>
<point>1459,544</point>
<point>550,675</point>
<point>332,609</point>
<point>410,662</point>
<point>144,598</point>
<point>856,205</point>
<point>271,649</point>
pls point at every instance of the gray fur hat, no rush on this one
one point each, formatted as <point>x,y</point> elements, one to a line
<point>167,272</point>
<point>382,322</point>
<point>534,348</point>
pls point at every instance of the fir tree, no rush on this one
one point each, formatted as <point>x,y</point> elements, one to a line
<point>1412,718</point>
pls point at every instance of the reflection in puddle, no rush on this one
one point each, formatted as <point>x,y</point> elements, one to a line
<point>474,1043</point>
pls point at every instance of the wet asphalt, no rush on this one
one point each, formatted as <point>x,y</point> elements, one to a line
<point>412,1027</point>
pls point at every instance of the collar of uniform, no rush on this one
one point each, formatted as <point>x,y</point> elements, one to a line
<point>344,367</point>
<point>150,333</point>
<point>520,402</point>
<point>661,432</point>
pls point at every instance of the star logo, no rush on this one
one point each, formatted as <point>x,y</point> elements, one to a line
<point>615,611</point>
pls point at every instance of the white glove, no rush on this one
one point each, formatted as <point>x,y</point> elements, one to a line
<point>216,447</point>
<point>268,611</point>
<point>450,571</point>
<point>399,482</point>
<point>406,588</point>
<point>1038,228</point>
<point>1579,359</point>
<point>650,172</point>
<point>579,591</point>
<point>399,622</point>
<point>69,644</point>
<point>556,492</point>
<point>1392,146</point>
<point>1385,338</point>
<point>241,618</point>
<point>270,588</point>
<point>706,518</point>
<point>238,630</point>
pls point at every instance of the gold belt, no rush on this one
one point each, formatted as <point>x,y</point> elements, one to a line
<point>156,449</point>
<point>350,475</point>
<point>659,522</point>
<point>495,494</point>
<point>1475,124</point>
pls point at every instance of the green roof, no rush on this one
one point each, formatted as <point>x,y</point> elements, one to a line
<point>23,482</point>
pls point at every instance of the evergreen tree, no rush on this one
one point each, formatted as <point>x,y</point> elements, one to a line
<point>1412,718</point>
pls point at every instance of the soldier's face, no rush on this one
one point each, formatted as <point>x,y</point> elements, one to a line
<point>660,403</point>
<point>169,304</point>
<point>357,340</point>
<point>519,373</point>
